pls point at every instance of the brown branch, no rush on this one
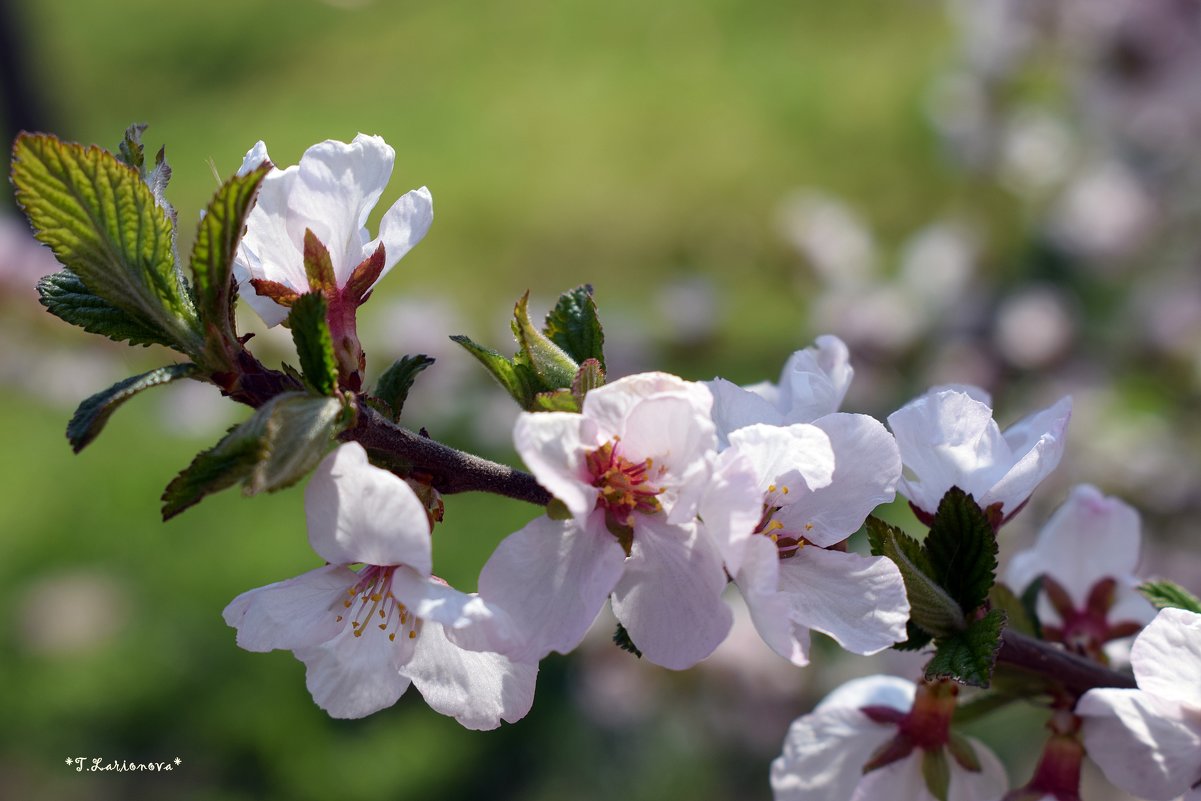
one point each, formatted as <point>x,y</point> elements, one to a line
<point>1074,673</point>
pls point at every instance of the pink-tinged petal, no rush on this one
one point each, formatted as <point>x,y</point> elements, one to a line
<point>669,597</point>
<point>1167,658</point>
<point>1146,745</point>
<point>357,512</point>
<point>337,187</point>
<point>796,457</point>
<point>551,578</point>
<point>434,600</point>
<point>296,613</point>
<point>1130,605</point>
<point>814,381</point>
<point>477,689</point>
<point>770,609</point>
<point>267,251</point>
<point>878,690</point>
<point>609,405</point>
<point>253,158</point>
<point>859,601</point>
<point>351,677</point>
<point>903,779</point>
<point>947,439</point>
<point>824,754</point>
<point>867,466</point>
<point>667,430</point>
<point>1039,440</point>
<point>403,226</point>
<point>989,784</point>
<point>735,407</point>
<point>731,506</point>
<point>1103,527</point>
<point>554,446</point>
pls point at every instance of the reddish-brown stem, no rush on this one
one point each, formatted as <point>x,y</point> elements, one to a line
<point>1073,673</point>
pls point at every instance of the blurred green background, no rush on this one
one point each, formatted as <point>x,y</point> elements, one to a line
<point>644,148</point>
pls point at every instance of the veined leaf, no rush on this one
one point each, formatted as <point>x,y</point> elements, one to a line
<point>962,546</point>
<point>101,220</point>
<point>394,385</point>
<point>573,325</point>
<point>314,344</point>
<point>517,378</point>
<point>554,368</point>
<point>213,254</point>
<point>968,656</point>
<point>65,296</point>
<point>931,608</point>
<point>94,412</point>
<point>590,376</point>
<point>1169,595</point>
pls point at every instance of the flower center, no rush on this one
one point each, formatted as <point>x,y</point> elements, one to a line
<point>787,542</point>
<point>370,605</point>
<point>625,486</point>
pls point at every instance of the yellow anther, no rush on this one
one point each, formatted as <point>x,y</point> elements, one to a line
<point>381,613</point>
<point>392,636</point>
<point>359,633</point>
<point>775,537</point>
<point>775,525</point>
<point>771,487</point>
<point>338,619</point>
<point>784,490</point>
<point>351,592</point>
<point>383,626</point>
<point>375,596</point>
<point>809,527</point>
<point>346,604</point>
<point>413,634</point>
<point>354,623</point>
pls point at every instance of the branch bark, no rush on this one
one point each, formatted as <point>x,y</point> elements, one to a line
<point>1074,673</point>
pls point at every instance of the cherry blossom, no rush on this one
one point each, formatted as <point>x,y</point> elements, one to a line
<point>630,470</point>
<point>815,486</point>
<point>948,438</point>
<point>868,740</point>
<point>1148,741</point>
<point>812,384</point>
<point>365,636</point>
<point>1085,603</point>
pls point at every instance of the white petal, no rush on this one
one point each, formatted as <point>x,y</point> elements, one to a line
<point>477,689</point>
<point>815,380</point>
<point>897,780</point>
<point>253,158</point>
<point>1167,657</point>
<point>824,754</point>
<point>296,613</point>
<point>551,578</point>
<point>267,251</point>
<point>403,226</point>
<point>351,677</point>
<point>357,512</point>
<point>1037,444</point>
<point>669,597</point>
<point>553,446</point>
<point>735,408</point>
<point>1090,523</point>
<point>732,506</point>
<point>858,600</point>
<point>867,466</point>
<point>878,690</point>
<point>431,599</point>
<point>337,187</point>
<point>609,405</point>
<point>797,456</point>
<point>1142,743</point>
<point>947,439</point>
<point>989,784</point>
<point>758,581</point>
<point>668,430</point>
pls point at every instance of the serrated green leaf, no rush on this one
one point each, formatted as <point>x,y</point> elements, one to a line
<point>550,363</point>
<point>962,547</point>
<point>102,221</point>
<point>518,379</point>
<point>130,150</point>
<point>299,432</point>
<point>394,385</point>
<point>1165,594</point>
<point>621,638</point>
<point>968,656</point>
<point>213,255</point>
<point>590,376</point>
<point>561,400</point>
<point>65,296</point>
<point>573,325</point>
<point>278,445</point>
<point>314,344</point>
<point>931,608</point>
<point>1002,597</point>
<point>94,412</point>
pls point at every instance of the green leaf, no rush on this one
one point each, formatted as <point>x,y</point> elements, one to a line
<point>1169,595</point>
<point>621,638</point>
<point>213,255</point>
<point>103,223</point>
<point>590,376</point>
<point>318,266</point>
<point>554,368</point>
<point>65,296</point>
<point>1002,597</point>
<point>573,325</point>
<point>936,772</point>
<point>561,400</point>
<point>931,608</point>
<point>314,344</point>
<point>281,442</point>
<point>94,412</point>
<point>968,656</point>
<point>394,385</point>
<point>130,150</point>
<point>517,378</point>
<point>962,547</point>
